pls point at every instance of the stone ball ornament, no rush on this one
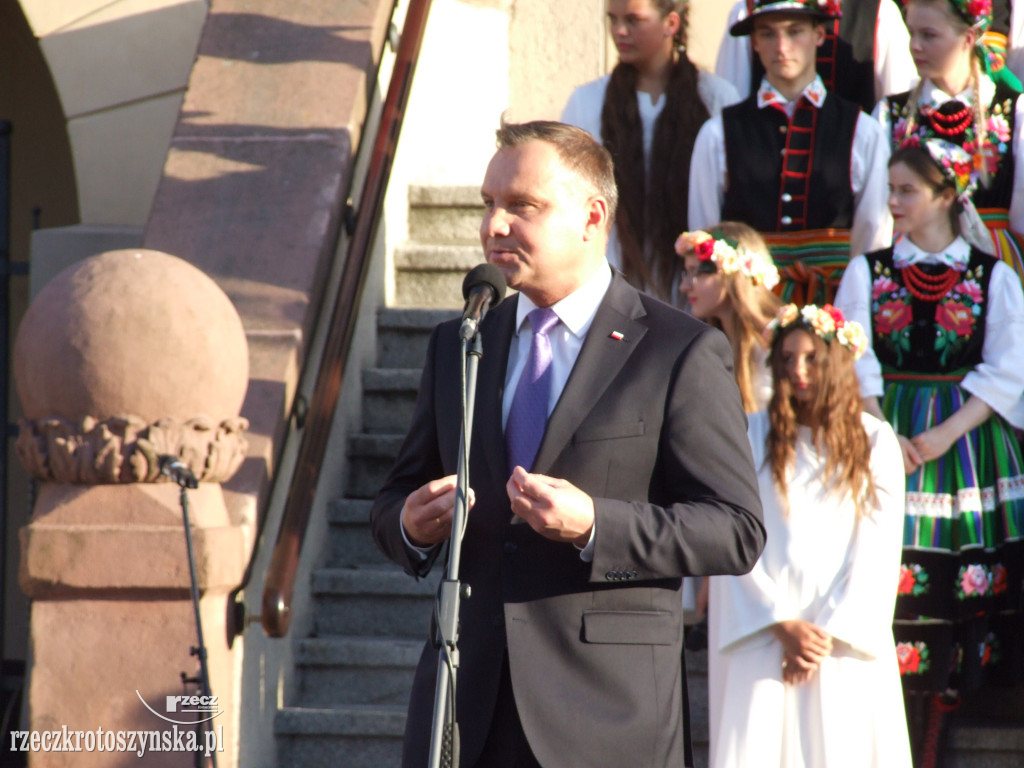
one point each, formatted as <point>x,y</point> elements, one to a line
<point>125,357</point>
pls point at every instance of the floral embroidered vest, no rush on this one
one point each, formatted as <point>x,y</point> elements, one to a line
<point>1001,126</point>
<point>930,337</point>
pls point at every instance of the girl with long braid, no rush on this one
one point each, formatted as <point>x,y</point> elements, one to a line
<point>967,97</point>
<point>647,113</point>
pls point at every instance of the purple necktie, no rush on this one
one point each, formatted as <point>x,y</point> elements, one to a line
<point>528,415</point>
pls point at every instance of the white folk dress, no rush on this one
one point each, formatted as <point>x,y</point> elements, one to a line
<point>823,565</point>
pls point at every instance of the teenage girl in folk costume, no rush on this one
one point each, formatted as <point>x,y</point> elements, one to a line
<point>647,113</point>
<point>947,331</point>
<point>727,279</point>
<point>967,97</point>
<point>802,670</point>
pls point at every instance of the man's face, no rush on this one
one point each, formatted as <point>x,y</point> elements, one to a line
<point>543,226</point>
<point>787,45</point>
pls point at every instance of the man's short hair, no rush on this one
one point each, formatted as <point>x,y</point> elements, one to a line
<point>577,150</point>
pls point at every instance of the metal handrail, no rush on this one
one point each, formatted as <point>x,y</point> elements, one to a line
<point>284,562</point>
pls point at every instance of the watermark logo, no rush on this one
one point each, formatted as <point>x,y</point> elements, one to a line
<point>195,709</point>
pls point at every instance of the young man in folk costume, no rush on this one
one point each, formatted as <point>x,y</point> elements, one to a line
<point>803,166</point>
<point>865,56</point>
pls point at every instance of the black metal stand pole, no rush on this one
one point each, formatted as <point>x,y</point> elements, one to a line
<point>200,649</point>
<point>444,737</point>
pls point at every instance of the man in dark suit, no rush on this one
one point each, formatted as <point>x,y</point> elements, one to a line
<point>570,643</point>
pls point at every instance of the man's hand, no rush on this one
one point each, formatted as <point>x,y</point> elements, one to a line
<point>804,647</point>
<point>554,508</point>
<point>427,514</point>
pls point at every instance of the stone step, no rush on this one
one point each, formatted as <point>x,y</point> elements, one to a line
<point>389,397</point>
<point>370,458</point>
<point>445,215</point>
<point>373,601</point>
<point>977,746</point>
<point>342,671</point>
<point>349,540</point>
<point>432,275</point>
<point>403,335</point>
<point>353,737</point>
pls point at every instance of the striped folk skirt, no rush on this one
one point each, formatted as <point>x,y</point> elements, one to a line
<point>957,609</point>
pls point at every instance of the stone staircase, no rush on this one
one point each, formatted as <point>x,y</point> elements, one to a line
<point>354,673</point>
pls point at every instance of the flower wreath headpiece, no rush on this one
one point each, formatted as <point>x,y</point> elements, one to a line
<point>729,256</point>
<point>826,322</point>
<point>957,166</point>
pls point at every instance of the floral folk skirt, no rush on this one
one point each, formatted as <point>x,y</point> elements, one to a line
<point>958,621</point>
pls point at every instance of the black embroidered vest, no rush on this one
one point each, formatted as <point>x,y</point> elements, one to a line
<point>789,175</point>
<point>928,337</point>
<point>1001,111</point>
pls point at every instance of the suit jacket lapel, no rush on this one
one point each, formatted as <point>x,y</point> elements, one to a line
<point>600,361</point>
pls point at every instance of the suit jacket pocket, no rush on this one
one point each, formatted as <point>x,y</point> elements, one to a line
<point>631,627</point>
<point>612,431</point>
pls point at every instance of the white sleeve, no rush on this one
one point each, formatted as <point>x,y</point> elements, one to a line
<point>733,62</point>
<point>716,92</point>
<point>583,109</point>
<point>895,71</point>
<point>1016,214</point>
<point>869,173</point>
<point>707,176</point>
<point>854,299</point>
<point>999,378</point>
<point>860,606</point>
<point>1015,47</point>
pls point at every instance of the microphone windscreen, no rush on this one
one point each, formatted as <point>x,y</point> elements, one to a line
<point>485,274</point>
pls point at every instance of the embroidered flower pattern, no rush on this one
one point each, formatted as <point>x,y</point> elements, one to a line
<point>973,581</point>
<point>999,583</point>
<point>990,650</point>
<point>892,313</point>
<point>913,658</point>
<point>957,315</point>
<point>913,580</point>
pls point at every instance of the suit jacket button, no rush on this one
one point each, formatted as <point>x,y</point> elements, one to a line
<point>633,574</point>
<point>510,547</point>
<point>612,576</point>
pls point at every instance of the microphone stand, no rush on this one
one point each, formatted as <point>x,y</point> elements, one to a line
<point>182,475</point>
<point>444,737</point>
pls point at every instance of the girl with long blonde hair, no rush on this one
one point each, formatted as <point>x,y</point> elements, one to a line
<point>727,280</point>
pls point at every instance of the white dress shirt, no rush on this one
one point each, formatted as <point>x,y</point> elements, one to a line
<point>869,176</point>
<point>575,314</point>
<point>999,379</point>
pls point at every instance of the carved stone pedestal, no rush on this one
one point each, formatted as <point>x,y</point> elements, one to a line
<point>122,360</point>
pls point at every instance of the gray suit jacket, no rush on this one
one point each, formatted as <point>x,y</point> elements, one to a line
<point>651,426</point>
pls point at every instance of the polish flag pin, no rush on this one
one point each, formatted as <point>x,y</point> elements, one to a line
<point>617,335</point>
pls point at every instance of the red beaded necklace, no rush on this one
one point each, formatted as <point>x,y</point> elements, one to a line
<point>949,125</point>
<point>927,287</point>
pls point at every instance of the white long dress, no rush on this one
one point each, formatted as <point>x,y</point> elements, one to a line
<point>823,565</point>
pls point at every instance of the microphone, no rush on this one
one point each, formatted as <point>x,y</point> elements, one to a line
<point>177,470</point>
<point>483,287</point>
